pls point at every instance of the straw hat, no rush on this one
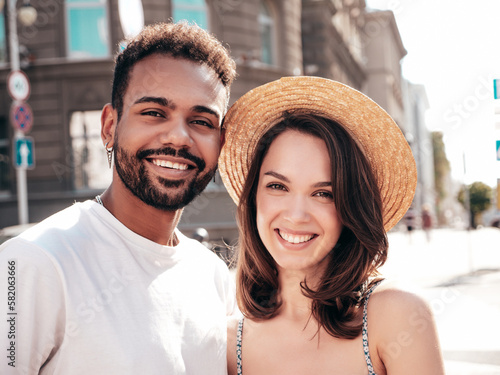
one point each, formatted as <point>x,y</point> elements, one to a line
<point>371,127</point>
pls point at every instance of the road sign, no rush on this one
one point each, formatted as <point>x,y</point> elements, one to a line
<point>18,85</point>
<point>21,116</point>
<point>24,153</point>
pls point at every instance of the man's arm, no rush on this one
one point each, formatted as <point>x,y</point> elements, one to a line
<point>31,302</point>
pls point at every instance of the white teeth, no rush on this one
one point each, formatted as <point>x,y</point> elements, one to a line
<point>295,239</point>
<point>169,164</point>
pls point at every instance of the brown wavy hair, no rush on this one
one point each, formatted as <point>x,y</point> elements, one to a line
<point>352,263</point>
<point>179,40</point>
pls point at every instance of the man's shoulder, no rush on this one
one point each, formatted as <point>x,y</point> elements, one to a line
<point>63,220</point>
<point>52,231</point>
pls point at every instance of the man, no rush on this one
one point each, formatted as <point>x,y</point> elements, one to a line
<point>111,286</point>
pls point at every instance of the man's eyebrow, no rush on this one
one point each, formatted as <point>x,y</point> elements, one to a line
<point>155,99</point>
<point>203,109</point>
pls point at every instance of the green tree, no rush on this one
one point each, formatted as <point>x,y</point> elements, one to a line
<point>441,171</point>
<point>479,200</point>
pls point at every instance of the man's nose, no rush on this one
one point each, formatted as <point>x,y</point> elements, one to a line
<point>176,133</point>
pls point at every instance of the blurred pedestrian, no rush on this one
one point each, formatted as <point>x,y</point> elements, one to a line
<point>410,222</point>
<point>427,221</point>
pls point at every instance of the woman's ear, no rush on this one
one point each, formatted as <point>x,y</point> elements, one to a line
<point>109,120</point>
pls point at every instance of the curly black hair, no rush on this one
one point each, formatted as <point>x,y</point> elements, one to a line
<point>179,40</point>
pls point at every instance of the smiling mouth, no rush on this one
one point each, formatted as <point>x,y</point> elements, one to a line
<point>170,165</point>
<point>294,238</point>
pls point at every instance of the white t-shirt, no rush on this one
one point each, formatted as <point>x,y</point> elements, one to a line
<point>93,297</point>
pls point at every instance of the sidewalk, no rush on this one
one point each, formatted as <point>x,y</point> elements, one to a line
<point>450,253</point>
<point>468,322</point>
<point>458,273</point>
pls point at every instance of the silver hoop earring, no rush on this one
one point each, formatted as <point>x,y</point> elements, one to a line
<point>109,154</point>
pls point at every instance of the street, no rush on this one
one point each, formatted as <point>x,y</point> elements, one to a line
<point>458,273</point>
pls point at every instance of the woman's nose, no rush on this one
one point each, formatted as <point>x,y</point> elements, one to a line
<point>297,209</point>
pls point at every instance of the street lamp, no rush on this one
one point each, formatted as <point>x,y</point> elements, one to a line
<point>27,16</point>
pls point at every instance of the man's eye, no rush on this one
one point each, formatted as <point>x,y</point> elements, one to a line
<point>203,123</point>
<point>152,113</point>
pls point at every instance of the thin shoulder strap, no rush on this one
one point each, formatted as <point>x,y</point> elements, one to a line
<point>365,330</point>
<point>239,335</point>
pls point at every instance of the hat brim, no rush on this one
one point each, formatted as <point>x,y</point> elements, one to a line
<point>381,140</point>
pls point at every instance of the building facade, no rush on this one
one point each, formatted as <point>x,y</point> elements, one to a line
<point>68,56</point>
<point>420,140</point>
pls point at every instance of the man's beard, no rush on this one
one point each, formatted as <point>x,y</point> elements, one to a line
<point>132,172</point>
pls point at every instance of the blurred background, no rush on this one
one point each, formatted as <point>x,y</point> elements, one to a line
<point>51,153</point>
<point>432,65</point>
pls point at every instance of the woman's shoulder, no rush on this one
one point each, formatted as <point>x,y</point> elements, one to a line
<point>391,295</point>
<point>402,329</point>
<point>392,308</point>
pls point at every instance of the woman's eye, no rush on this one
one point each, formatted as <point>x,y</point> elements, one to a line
<point>275,187</point>
<point>324,194</point>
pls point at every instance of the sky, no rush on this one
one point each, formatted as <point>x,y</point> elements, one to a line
<point>454,51</point>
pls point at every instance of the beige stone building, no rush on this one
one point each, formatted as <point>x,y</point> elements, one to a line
<point>68,57</point>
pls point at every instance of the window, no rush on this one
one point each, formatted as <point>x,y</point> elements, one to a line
<point>266,25</point>
<point>192,11</point>
<point>3,41</point>
<point>89,161</point>
<point>87,29</point>
<point>5,161</point>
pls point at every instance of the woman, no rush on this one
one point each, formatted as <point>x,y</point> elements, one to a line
<point>320,173</point>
